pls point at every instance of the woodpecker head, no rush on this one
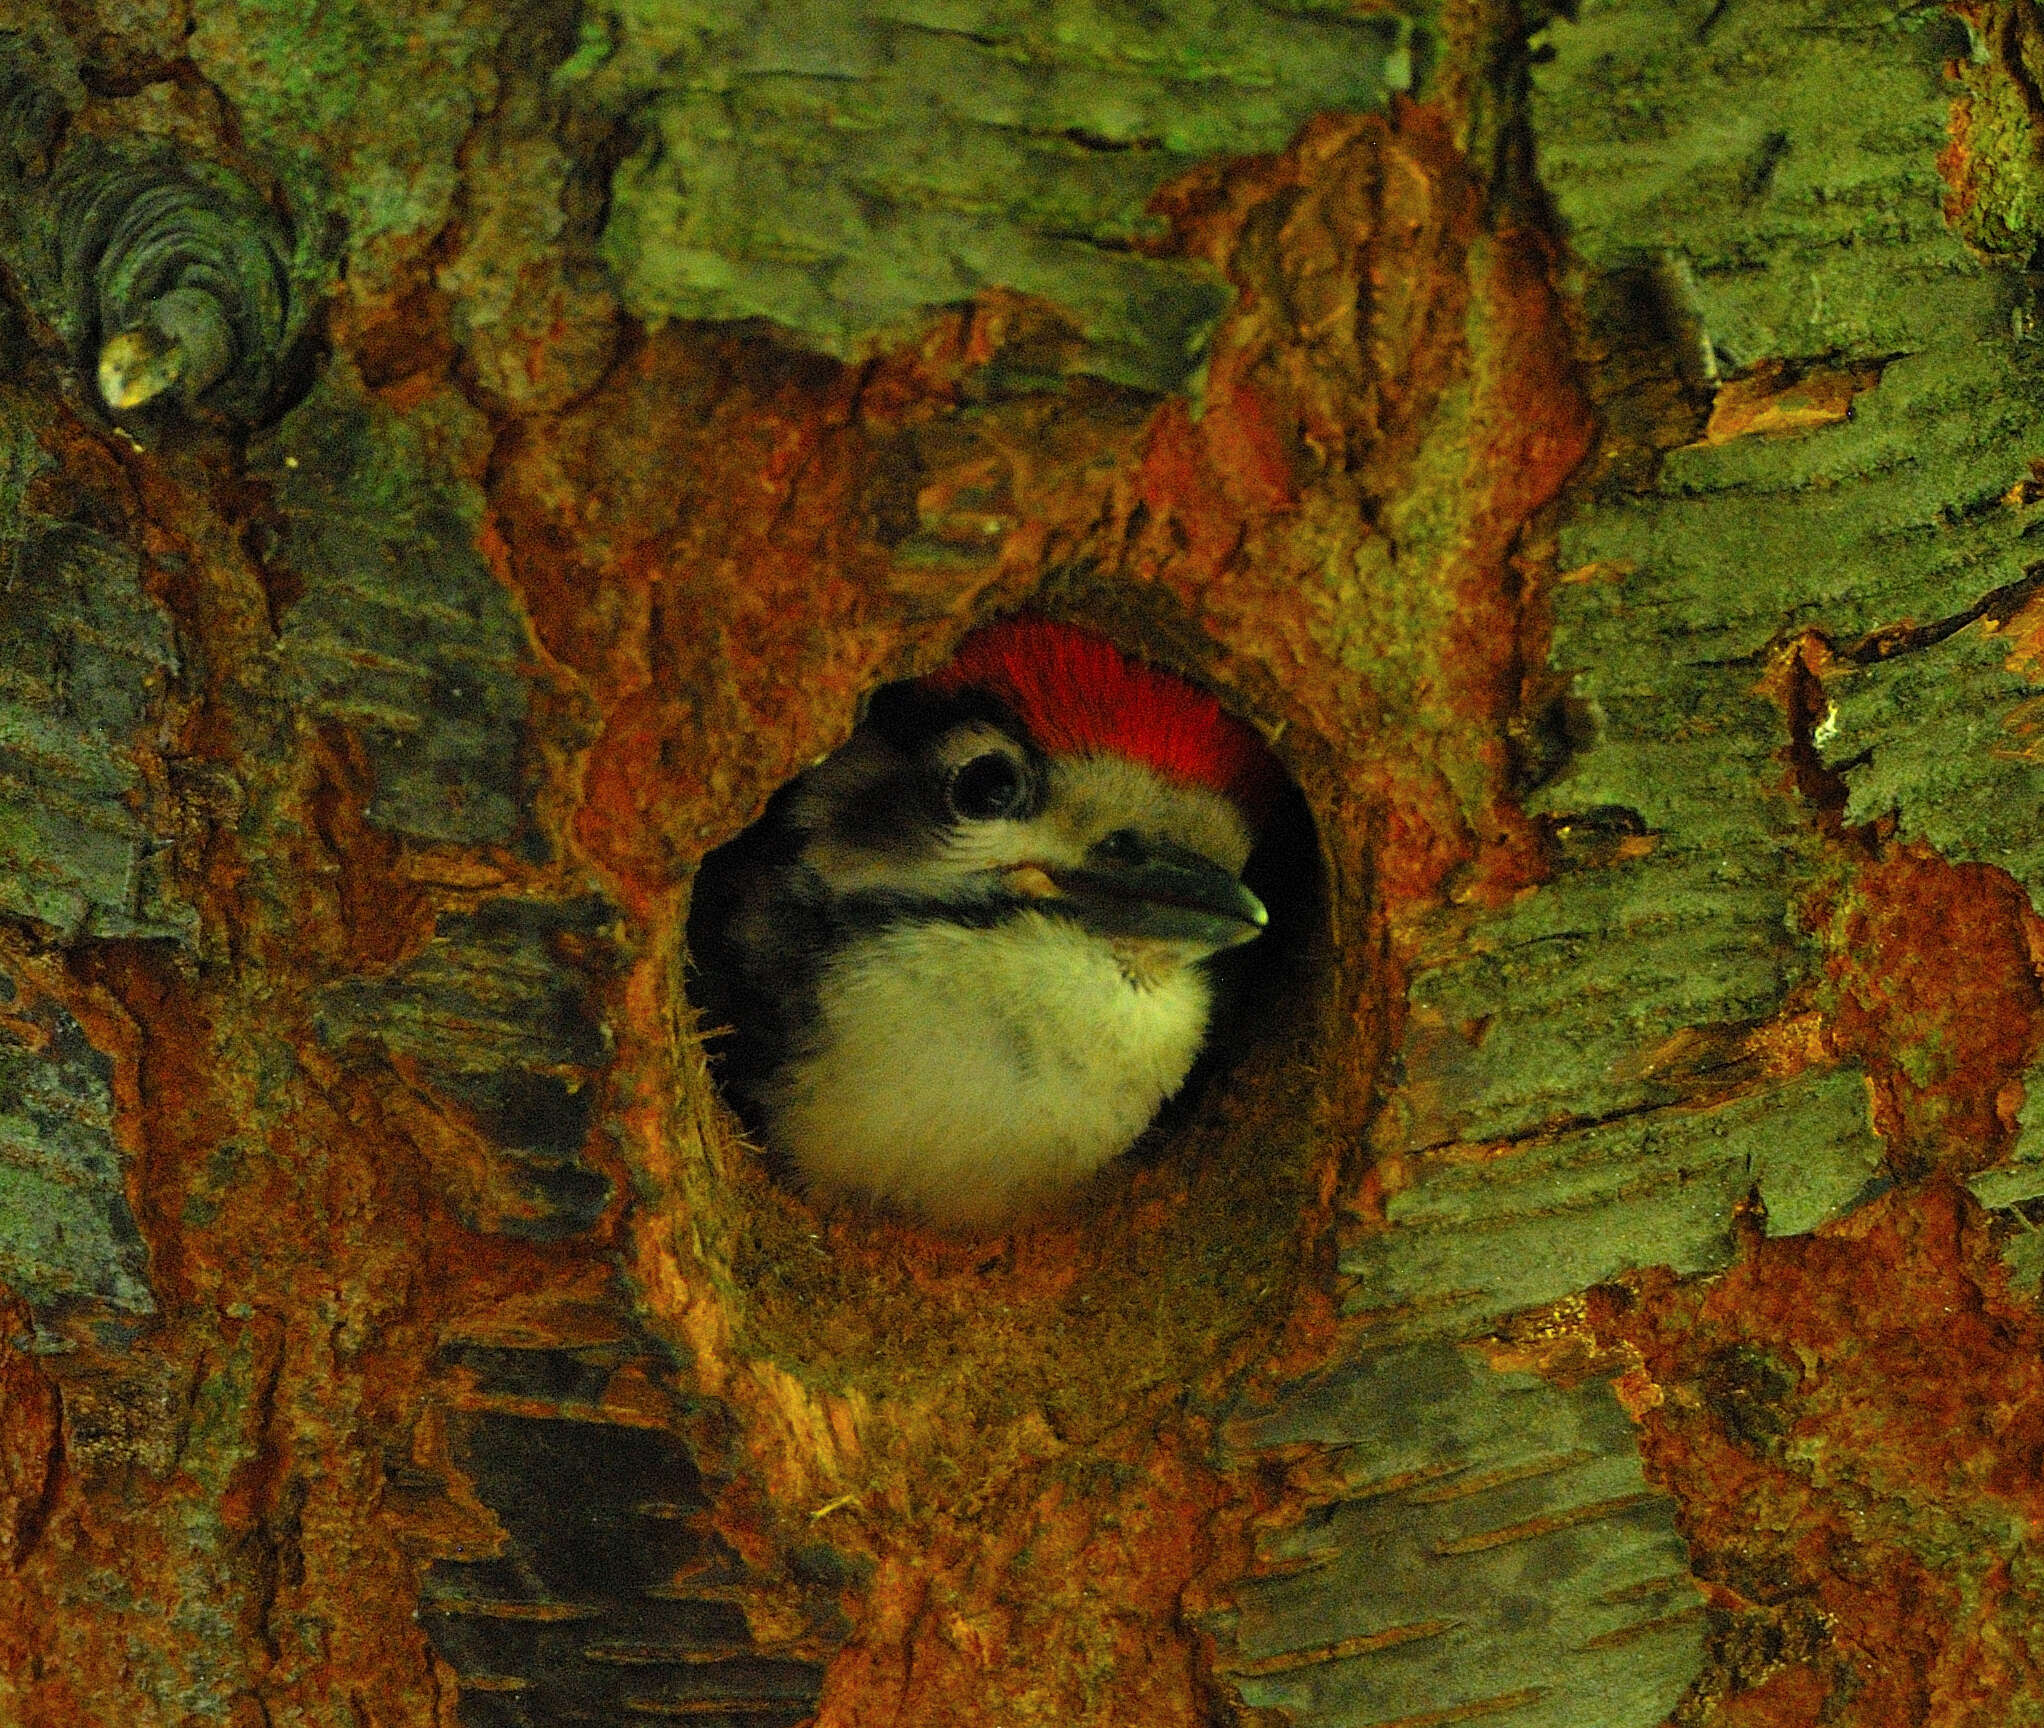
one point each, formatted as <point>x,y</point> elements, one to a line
<point>963,955</point>
<point>1043,770</point>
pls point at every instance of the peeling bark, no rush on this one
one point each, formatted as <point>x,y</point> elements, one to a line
<point>1598,451</point>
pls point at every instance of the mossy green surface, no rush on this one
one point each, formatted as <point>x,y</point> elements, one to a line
<point>1774,172</point>
<point>1478,1237</point>
<point>65,1227</point>
<point>360,108</point>
<point>1548,1017</point>
<point>85,658</point>
<point>842,169</point>
<point>401,630</point>
<point>1797,214</point>
<point>1950,742</point>
<point>1497,1554</point>
<point>1576,1095</point>
<point>1783,158</point>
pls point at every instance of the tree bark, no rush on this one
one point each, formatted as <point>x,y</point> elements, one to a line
<point>1598,450</point>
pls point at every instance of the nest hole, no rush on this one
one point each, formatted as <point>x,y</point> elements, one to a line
<point>1146,1272</point>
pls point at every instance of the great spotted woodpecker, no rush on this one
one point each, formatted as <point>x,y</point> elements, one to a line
<point>962,961</point>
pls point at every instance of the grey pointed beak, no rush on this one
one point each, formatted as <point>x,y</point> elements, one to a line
<point>1163,892</point>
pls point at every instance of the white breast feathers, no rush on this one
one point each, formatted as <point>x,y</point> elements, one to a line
<point>965,1073</point>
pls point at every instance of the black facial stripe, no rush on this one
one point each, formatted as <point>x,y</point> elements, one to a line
<point>917,722</point>
<point>873,910</point>
<point>897,814</point>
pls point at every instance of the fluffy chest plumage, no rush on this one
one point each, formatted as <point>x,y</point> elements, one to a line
<point>965,1072</point>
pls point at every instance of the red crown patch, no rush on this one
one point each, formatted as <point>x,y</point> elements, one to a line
<point>1079,695</point>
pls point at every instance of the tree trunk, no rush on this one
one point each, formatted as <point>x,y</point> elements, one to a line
<point>456,462</point>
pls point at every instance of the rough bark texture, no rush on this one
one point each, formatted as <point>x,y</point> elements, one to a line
<point>1599,450</point>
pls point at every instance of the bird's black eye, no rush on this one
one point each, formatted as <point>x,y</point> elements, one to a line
<point>986,787</point>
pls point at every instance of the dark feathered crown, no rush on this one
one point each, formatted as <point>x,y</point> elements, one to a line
<point>1078,694</point>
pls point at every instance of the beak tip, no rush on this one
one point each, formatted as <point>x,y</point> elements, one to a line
<point>1171,894</point>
